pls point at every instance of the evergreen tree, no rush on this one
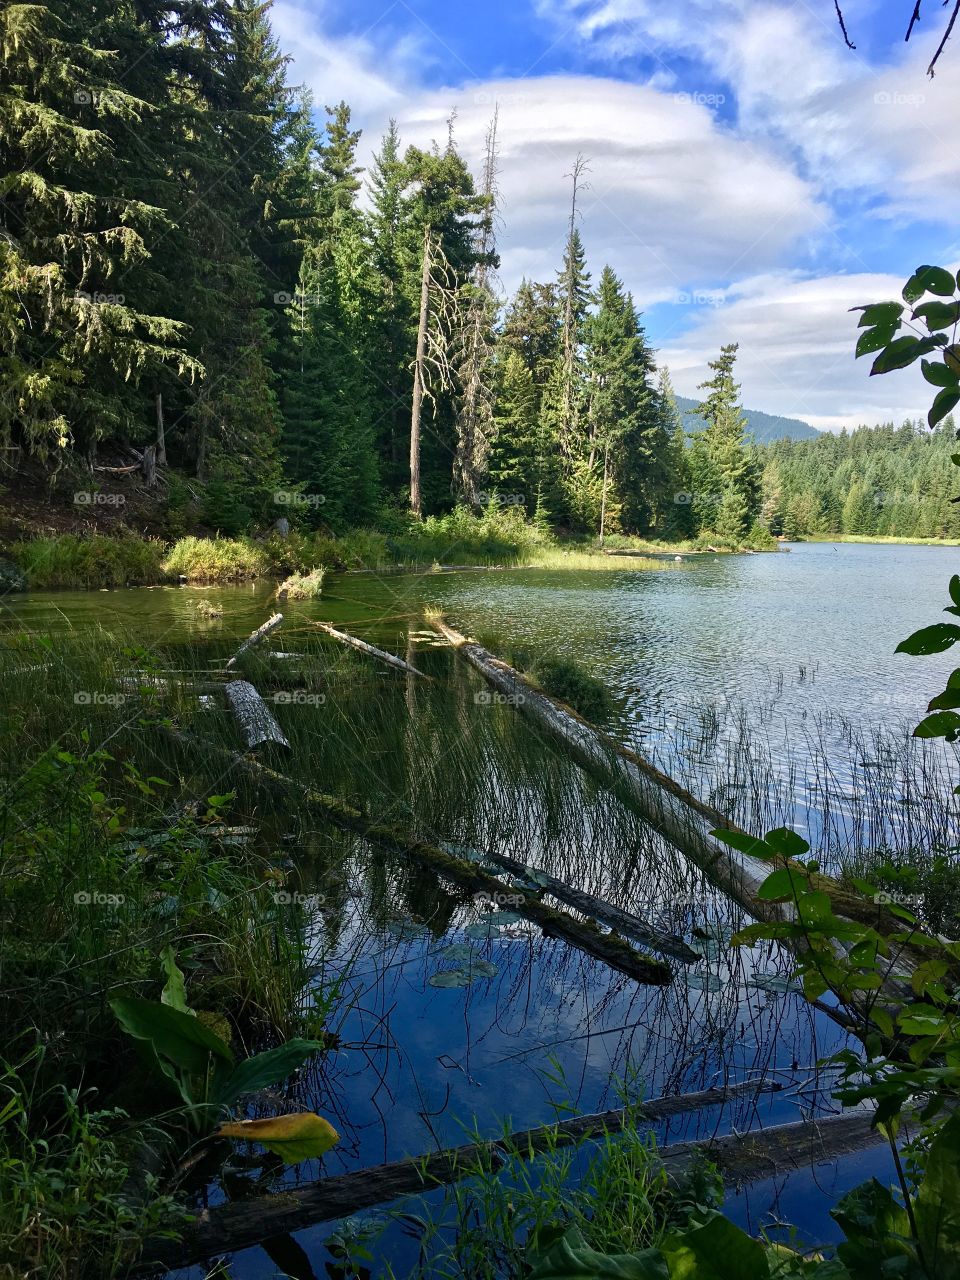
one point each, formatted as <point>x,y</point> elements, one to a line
<point>723,459</point>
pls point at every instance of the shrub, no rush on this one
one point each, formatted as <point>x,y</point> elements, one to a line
<point>216,559</point>
<point>567,680</point>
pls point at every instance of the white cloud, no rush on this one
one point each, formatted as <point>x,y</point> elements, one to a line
<point>673,198</point>
<point>796,339</point>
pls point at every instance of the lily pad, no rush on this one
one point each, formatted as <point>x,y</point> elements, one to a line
<point>481,931</point>
<point>504,917</point>
<point>774,982</point>
<point>450,978</point>
<point>483,969</point>
<point>703,982</point>
<point>459,953</point>
<point>706,948</point>
<point>406,930</point>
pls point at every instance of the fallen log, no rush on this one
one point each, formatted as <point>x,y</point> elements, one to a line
<point>254,716</point>
<point>679,816</point>
<point>370,649</point>
<point>674,812</point>
<point>232,1226</point>
<point>581,934</point>
<point>624,922</point>
<point>270,625</point>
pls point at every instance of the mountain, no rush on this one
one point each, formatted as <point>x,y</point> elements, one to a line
<point>762,426</point>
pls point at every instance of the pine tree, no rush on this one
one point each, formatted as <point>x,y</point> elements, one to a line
<point>726,460</point>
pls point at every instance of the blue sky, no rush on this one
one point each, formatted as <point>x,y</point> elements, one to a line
<point>750,177</point>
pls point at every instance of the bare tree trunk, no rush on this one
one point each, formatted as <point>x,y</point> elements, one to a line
<point>161,439</point>
<point>603,499</point>
<point>569,337</point>
<point>418,379</point>
<point>150,466</point>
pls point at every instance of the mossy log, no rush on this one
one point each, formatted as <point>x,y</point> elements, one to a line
<point>581,934</point>
<point>228,1227</point>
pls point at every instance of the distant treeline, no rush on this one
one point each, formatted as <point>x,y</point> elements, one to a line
<point>875,481</point>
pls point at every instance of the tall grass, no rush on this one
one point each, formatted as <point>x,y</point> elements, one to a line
<point>70,561</point>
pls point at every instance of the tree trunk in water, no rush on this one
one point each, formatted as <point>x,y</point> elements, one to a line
<point>254,716</point>
<point>418,377</point>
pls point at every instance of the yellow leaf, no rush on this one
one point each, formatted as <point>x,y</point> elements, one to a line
<point>293,1137</point>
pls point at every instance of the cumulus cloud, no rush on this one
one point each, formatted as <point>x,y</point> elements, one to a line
<point>672,197</point>
<point>796,339</point>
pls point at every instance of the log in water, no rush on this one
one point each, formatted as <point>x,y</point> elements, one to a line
<point>255,718</point>
<point>236,1226</point>
<point>361,645</point>
<point>270,625</point>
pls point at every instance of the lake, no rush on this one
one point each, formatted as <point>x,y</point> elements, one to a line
<point>768,683</point>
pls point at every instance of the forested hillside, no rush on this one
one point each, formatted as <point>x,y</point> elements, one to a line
<point>884,481</point>
<point>189,278</point>
<point>762,427</point>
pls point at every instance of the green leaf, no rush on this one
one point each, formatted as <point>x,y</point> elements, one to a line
<point>874,339</point>
<point>301,1136</point>
<point>943,403</point>
<point>929,640</point>
<point>265,1069</point>
<point>744,844</point>
<point>903,351</point>
<point>876,1227</point>
<point>787,842</point>
<point>938,315</point>
<point>174,992</point>
<point>928,279</point>
<point>938,725</point>
<point>716,1250</point>
<point>937,374</point>
<point>783,885</point>
<point>171,1033</point>
<point>571,1258</point>
<point>937,1203</point>
<point>879,313</point>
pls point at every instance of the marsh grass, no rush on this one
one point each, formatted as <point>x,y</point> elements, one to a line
<point>69,561</point>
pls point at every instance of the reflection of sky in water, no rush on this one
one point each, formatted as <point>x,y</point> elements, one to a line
<point>801,646</point>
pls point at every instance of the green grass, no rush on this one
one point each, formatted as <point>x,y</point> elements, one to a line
<point>302,586</point>
<point>69,561</point>
<point>216,560</point>
<point>858,537</point>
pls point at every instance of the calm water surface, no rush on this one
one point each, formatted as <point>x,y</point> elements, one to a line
<point>784,661</point>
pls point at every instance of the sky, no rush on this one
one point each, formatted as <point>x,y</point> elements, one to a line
<point>750,177</point>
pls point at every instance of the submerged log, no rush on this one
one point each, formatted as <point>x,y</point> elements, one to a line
<point>270,625</point>
<point>254,716</point>
<point>679,816</point>
<point>624,922</point>
<point>372,650</point>
<point>674,812</point>
<point>238,1225</point>
<point>581,934</point>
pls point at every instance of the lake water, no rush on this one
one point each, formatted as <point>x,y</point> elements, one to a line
<point>737,672</point>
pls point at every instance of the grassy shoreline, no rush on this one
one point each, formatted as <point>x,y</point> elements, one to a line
<point>880,540</point>
<point>71,561</point>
